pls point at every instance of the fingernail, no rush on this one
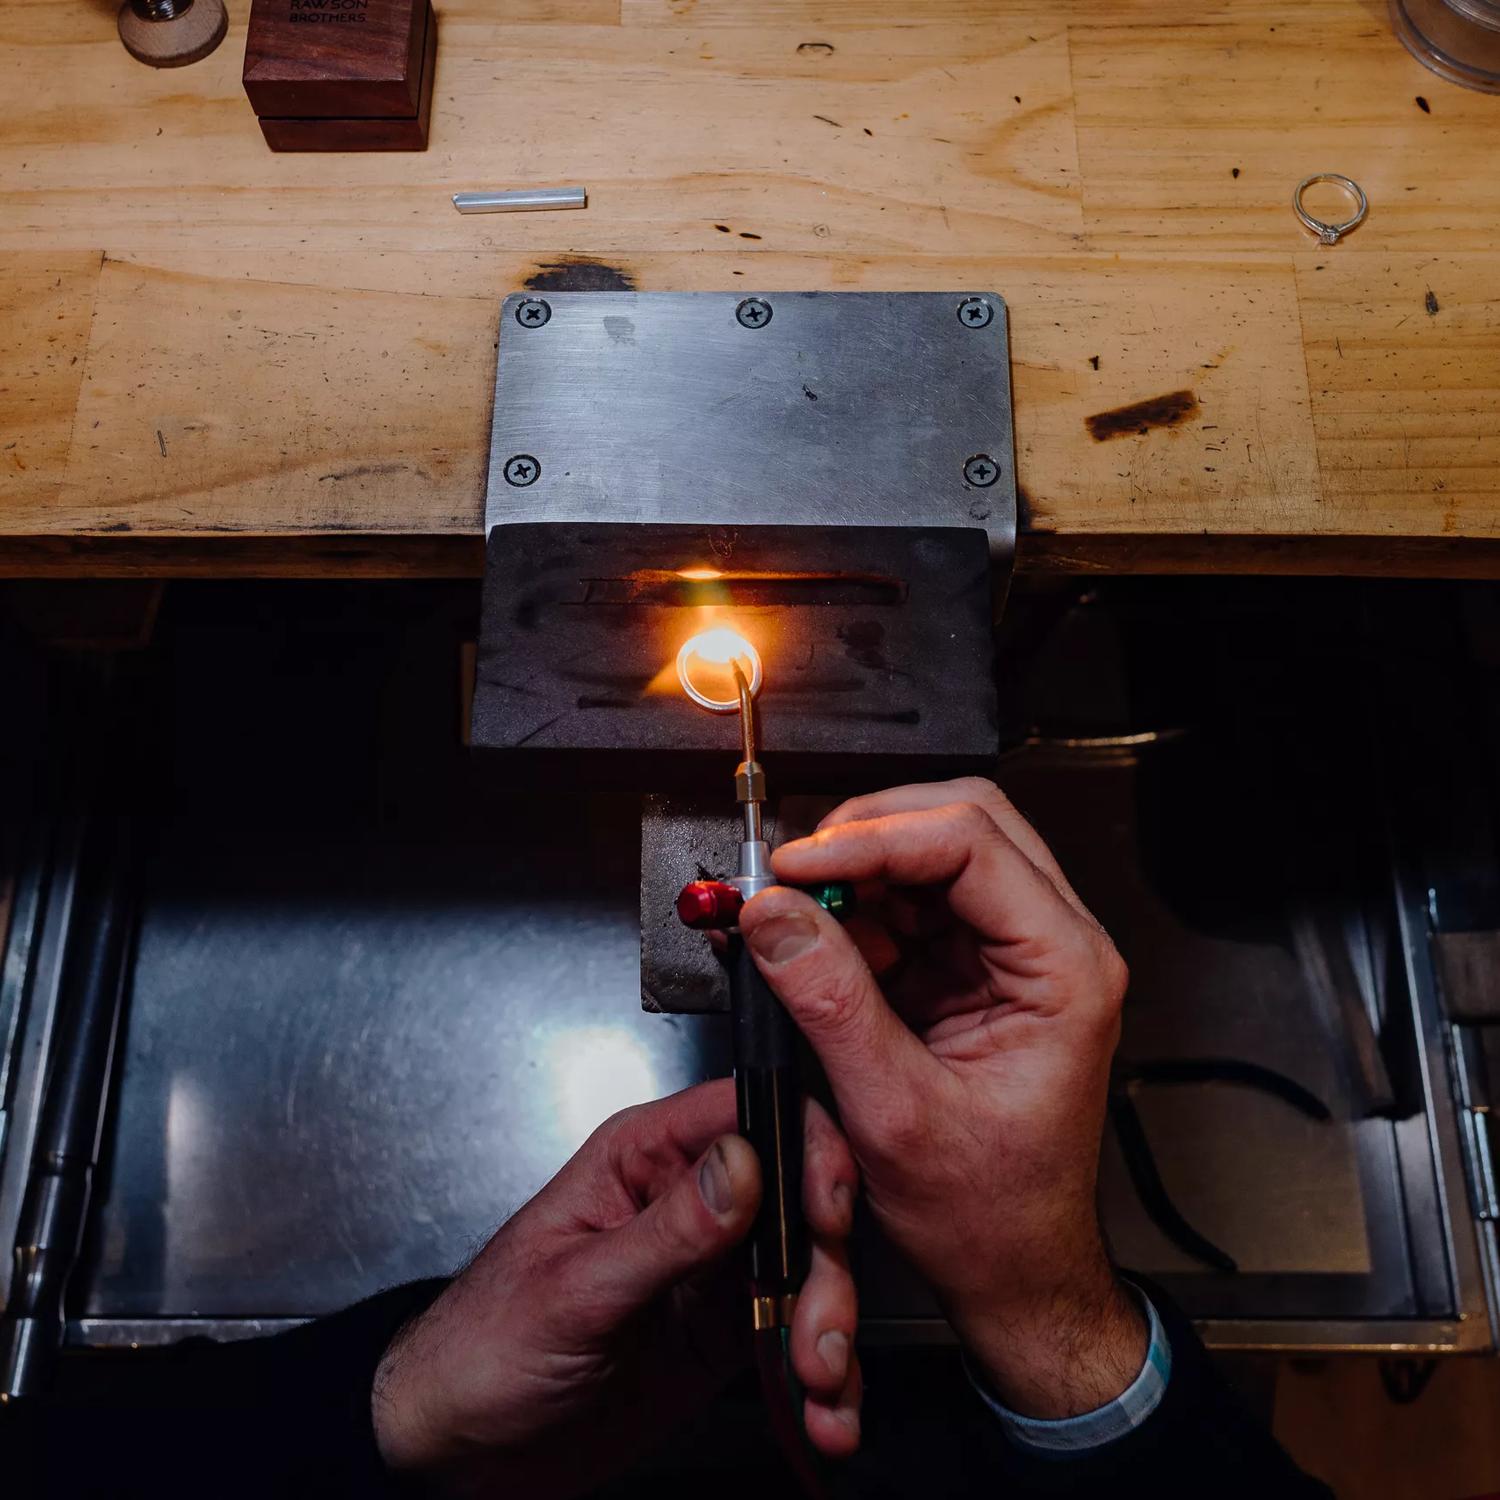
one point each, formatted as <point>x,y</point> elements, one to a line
<point>713,1182</point>
<point>849,1416</point>
<point>783,938</point>
<point>843,1199</point>
<point>833,1350</point>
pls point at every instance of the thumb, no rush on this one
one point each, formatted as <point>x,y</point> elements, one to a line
<point>705,1213</point>
<point>870,1055</point>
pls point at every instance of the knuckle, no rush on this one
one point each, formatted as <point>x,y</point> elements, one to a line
<point>617,1135</point>
<point>969,820</point>
<point>1114,974</point>
<point>979,788</point>
<point>833,999</point>
<point>988,794</point>
<point>621,1123</point>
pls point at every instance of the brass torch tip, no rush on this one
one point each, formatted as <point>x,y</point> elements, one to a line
<point>747,711</point>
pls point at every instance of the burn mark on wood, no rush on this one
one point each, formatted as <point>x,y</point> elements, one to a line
<point>1431,303</point>
<point>362,471</point>
<point>1026,516</point>
<point>1094,360</point>
<point>1423,105</point>
<point>746,235</point>
<point>1140,417</point>
<point>577,273</point>
<point>827,121</point>
<point>722,228</point>
<point>815,49</point>
<point>1234,172</point>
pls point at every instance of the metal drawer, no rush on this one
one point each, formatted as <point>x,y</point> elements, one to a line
<point>375,999</point>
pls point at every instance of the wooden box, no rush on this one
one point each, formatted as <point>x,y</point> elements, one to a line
<point>342,75</point>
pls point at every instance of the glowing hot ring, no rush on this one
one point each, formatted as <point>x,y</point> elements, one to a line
<point>718,647</point>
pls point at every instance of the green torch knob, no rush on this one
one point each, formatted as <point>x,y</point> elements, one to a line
<point>836,897</point>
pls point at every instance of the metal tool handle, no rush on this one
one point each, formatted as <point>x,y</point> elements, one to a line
<point>54,1212</point>
<point>769,1095</point>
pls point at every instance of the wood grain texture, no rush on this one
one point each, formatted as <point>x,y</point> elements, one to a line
<point>46,302</point>
<point>1078,159</point>
<point>263,407</point>
<point>323,382</point>
<point>1403,362</point>
<point>1336,1419</point>
<point>335,58</point>
<point>1168,115</point>
<point>673,133</point>
<point>363,133</point>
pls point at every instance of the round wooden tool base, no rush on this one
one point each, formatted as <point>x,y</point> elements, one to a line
<point>170,44</point>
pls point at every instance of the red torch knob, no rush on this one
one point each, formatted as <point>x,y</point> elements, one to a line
<point>709,903</point>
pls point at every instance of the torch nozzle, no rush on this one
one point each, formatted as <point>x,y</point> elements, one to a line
<point>749,778</point>
<point>747,711</point>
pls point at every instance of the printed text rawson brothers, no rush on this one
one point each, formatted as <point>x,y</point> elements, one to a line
<point>328,10</point>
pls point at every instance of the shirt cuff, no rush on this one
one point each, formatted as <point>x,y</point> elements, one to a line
<point>1106,1424</point>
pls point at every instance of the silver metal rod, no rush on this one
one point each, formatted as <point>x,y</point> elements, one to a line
<point>521,200</point>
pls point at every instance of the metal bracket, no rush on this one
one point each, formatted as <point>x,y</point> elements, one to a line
<point>782,408</point>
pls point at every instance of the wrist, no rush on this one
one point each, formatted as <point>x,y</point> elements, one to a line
<point>404,1439</point>
<point>1057,1352</point>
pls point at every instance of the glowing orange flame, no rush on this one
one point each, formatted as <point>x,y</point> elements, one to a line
<point>704,667</point>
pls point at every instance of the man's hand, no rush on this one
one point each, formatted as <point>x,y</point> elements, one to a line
<point>972,1087</point>
<point>609,1308</point>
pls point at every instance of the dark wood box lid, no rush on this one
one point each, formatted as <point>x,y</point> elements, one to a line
<point>335,58</point>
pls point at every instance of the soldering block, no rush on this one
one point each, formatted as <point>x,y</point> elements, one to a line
<point>342,75</point>
<point>876,643</point>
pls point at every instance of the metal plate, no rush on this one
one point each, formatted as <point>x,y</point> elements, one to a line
<point>348,1061</point>
<point>877,643</point>
<point>845,408</point>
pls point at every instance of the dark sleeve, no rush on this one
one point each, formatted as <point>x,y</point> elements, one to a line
<point>284,1416</point>
<point>290,1416</point>
<point>1199,1441</point>
<point>927,1431</point>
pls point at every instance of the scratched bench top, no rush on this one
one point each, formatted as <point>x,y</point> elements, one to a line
<point>215,359</point>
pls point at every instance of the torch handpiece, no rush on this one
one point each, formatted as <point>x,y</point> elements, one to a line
<point>767,1085</point>
<point>749,776</point>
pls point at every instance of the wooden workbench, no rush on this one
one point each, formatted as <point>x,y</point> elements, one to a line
<point>217,359</point>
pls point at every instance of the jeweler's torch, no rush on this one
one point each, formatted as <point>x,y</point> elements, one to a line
<point>767,1084</point>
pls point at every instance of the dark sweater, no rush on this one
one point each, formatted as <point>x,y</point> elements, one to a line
<point>289,1417</point>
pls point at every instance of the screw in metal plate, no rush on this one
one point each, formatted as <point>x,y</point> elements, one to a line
<point>522,470</point>
<point>981,470</point>
<point>753,312</point>
<point>975,312</point>
<point>533,312</point>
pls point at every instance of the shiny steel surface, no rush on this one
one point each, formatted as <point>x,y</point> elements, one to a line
<point>346,1065</point>
<point>521,200</point>
<point>846,408</point>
